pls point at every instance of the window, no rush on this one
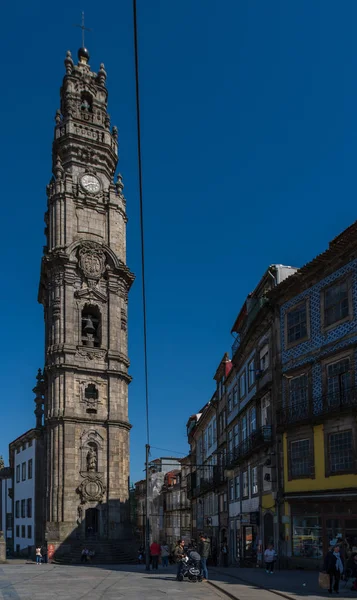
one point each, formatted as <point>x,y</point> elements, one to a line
<point>23,471</point>
<point>8,521</point>
<point>307,536</point>
<point>264,358</point>
<point>224,419</point>
<point>235,395</point>
<point>242,390</point>
<point>91,326</point>
<point>17,530</point>
<point>214,426</point>
<point>23,508</point>
<point>17,473</point>
<point>29,469</point>
<point>298,395</point>
<point>254,478</point>
<point>336,303</point>
<point>231,490</point>
<point>236,435</point>
<point>244,428</point>
<point>230,441</point>
<point>29,531</point>
<point>23,531</point>
<point>296,323</point>
<point>300,459</point>
<point>23,446</point>
<point>245,485</point>
<point>209,436</point>
<point>338,379</point>
<point>251,373</point>
<point>225,507</point>
<point>30,443</point>
<point>237,487</point>
<point>265,410</point>
<point>230,405</point>
<point>29,508</point>
<point>17,509</point>
<point>341,451</point>
<point>252,419</point>
<point>18,450</point>
<point>221,503</point>
<point>91,392</point>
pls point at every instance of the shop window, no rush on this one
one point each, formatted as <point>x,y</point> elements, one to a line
<point>336,303</point>
<point>307,537</point>
<point>300,459</point>
<point>341,455</point>
<point>296,324</point>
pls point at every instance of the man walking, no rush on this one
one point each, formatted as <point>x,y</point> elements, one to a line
<point>155,550</point>
<point>204,550</point>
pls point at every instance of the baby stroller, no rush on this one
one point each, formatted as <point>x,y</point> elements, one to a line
<point>190,567</point>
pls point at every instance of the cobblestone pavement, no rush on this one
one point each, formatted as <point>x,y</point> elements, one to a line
<point>59,582</point>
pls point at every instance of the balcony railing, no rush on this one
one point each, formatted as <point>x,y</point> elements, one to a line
<point>251,444</point>
<point>308,410</point>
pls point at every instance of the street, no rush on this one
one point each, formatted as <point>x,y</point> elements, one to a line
<point>58,582</point>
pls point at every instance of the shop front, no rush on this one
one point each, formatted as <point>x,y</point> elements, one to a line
<point>315,526</point>
<point>250,535</point>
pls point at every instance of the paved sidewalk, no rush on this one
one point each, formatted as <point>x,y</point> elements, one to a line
<point>243,583</point>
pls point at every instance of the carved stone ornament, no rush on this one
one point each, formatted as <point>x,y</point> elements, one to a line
<point>91,260</point>
<point>91,490</point>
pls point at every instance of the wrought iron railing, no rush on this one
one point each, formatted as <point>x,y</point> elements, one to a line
<point>253,442</point>
<point>307,410</point>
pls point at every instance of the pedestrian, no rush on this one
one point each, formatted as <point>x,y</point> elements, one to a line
<point>179,552</point>
<point>155,551</point>
<point>165,555</point>
<point>84,555</point>
<point>333,565</point>
<point>224,551</point>
<point>38,555</point>
<point>44,553</point>
<point>204,549</point>
<point>270,557</point>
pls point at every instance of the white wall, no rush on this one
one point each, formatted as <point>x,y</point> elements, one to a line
<point>22,491</point>
<point>6,504</point>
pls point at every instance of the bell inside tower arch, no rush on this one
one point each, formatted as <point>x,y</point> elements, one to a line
<point>91,326</point>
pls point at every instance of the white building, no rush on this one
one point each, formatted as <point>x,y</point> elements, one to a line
<point>22,461</point>
<point>6,505</point>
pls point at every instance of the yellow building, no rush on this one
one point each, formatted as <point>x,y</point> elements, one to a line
<point>316,415</point>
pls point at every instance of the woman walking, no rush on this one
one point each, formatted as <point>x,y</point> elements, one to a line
<point>334,567</point>
<point>165,555</point>
<point>38,555</point>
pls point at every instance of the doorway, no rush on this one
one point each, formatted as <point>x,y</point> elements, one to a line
<point>92,519</point>
<point>268,529</point>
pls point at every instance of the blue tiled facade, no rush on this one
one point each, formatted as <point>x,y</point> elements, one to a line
<point>320,343</point>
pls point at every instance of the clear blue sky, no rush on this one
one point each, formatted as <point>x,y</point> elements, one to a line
<point>249,155</point>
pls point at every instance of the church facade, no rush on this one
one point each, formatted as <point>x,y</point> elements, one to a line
<point>84,289</point>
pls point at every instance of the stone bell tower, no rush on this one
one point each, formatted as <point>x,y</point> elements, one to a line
<point>84,291</point>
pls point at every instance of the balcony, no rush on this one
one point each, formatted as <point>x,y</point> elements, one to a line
<point>317,408</point>
<point>254,442</point>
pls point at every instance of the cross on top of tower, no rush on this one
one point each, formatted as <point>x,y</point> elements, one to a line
<point>83,52</point>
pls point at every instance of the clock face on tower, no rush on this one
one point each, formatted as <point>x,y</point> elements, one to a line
<point>90,184</point>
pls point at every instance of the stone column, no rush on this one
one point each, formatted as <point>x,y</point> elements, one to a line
<point>2,548</point>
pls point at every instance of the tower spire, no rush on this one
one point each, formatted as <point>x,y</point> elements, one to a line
<point>83,28</point>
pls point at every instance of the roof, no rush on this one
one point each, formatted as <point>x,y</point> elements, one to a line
<point>342,242</point>
<point>31,433</point>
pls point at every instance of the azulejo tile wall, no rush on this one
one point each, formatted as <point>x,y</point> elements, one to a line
<point>320,343</point>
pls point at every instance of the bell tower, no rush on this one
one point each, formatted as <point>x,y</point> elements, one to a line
<point>84,289</point>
